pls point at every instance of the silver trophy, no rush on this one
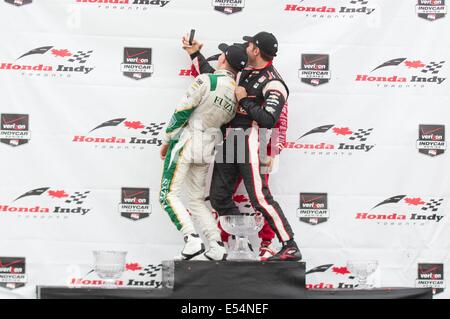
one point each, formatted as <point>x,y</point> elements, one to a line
<point>109,266</point>
<point>362,269</point>
<point>241,226</point>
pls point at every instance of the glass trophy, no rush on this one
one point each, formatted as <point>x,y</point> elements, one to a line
<point>362,269</point>
<point>241,226</point>
<point>109,266</point>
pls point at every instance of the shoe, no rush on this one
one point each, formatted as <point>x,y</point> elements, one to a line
<point>266,250</point>
<point>193,247</point>
<point>217,251</point>
<point>289,252</point>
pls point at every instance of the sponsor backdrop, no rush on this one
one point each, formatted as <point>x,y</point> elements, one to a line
<point>87,87</point>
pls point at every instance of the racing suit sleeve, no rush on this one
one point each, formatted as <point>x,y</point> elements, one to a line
<point>200,65</point>
<point>267,115</point>
<point>189,102</point>
<point>278,137</point>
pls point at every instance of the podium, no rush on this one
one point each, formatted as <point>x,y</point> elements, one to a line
<point>186,280</point>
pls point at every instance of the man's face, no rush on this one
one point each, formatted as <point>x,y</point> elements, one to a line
<point>252,51</point>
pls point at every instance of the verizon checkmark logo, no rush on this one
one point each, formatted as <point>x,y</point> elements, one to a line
<point>135,54</point>
<point>5,121</point>
<point>9,264</point>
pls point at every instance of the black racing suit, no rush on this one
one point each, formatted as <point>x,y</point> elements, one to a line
<point>247,136</point>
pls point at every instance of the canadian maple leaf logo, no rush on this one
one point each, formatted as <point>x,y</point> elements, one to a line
<point>414,64</point>
<point>58,194</point>
<point>414,201</point>
<point>61,53</point>
<point>240,198</point>
<point>133,266</point>
<point>135,124</point>
<point>342,131</point>
<point>341,270</point>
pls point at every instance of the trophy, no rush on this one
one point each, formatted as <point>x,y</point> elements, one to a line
<point>362,269</point>
<point>242,226</point>
<point>109,266</point>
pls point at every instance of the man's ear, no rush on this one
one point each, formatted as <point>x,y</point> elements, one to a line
<point>256,50</point>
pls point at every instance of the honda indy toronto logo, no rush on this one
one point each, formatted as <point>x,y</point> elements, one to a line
<point>12,272</point>
<point>431,10</point>
<point>135,275</point>
<point>14,129</point>
<point>228,6</point>
<point>137,63</point>
<point>135,203</point>
<point>134,5</point>
<point>47,202</point>
<point>49,61</point>
<point>406,73</point>
<point>313,208</point>
<point>315,69</point>
<point>431,276</point>
<point>330,276</point>
<point>123,133</point>
<point>333,140</point>
<point>431,140</point>
<point>19,3</point>
<point>347,9</point>
<point>404,210</point>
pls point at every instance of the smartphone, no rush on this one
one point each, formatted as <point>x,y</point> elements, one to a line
<point>191,36</point>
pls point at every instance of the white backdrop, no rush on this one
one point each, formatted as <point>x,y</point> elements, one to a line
<point>68,154</point>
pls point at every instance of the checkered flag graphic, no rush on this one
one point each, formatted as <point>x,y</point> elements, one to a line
<point>359,1</point>
<point>153,128</point>
<point>77,197</point>
<point>80,56</point>
<point>361,134</point>
<point>433,67</point>
<point>151,270</point>
<point>433,204</point>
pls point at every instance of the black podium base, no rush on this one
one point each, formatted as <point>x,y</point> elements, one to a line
<point>239,280</point>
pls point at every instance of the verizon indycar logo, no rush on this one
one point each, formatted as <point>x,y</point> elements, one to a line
<point>12,272</point>
<point>134,5</point>
<point>404,210</point>
<point>18,3</point>
<point>46,202</point>
<point>348,9</point>
<point>14,129</point>
<point>330,276</point>
<point>431,10</point>
<point>228,6</point>
<point>431,140</point>
<point>50,61</point>
<point>137,63</point>
<point>133,135</point>
<point>313,208</point>
<point>135,203</point>
<point>333,140</point>
<point>405,73</point>
<point>431,276</point>
<point>315,69</point>
<point>135,275</point>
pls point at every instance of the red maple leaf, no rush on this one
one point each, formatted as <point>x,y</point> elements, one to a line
<point>133,266</point>
<point>414,201</point>
<point>414,64</point>
<point>240,198</point>
<point>58,194</point>
<point>61,53</point>
<point>342,131</point>
<point>341,270</point>
<point>135,124</point>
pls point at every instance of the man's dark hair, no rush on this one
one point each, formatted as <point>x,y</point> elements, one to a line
<point>266,57</point>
